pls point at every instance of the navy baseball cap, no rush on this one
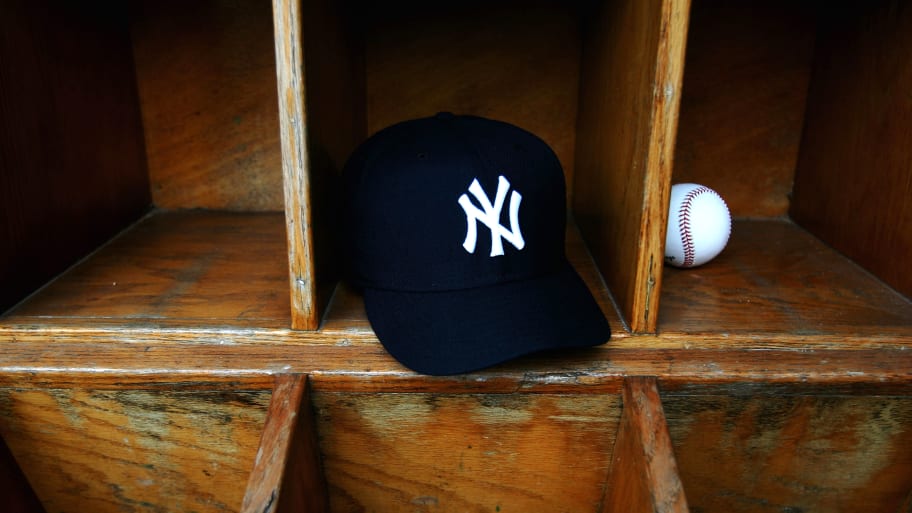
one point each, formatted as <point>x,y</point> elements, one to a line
<point>456,237</point>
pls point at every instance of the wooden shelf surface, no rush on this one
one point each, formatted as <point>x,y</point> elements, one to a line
<point>203,296</point>
<point>174,269</point>
<point>776,285</point>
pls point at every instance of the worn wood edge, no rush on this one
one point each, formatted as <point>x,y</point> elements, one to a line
<point>287,474</point>
<point>644,472</point>
<point>293,129</point>
<point>371,369</point>
<point>669,76</point>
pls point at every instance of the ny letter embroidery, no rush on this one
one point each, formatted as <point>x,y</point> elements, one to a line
<point>490,216</point>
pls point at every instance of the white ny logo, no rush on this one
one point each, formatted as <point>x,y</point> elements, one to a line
<point>491,217</point>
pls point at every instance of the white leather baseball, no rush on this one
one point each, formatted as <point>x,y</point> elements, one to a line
<point>699,225</point>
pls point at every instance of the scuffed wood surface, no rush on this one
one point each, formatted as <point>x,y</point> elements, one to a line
<point>644,475</point>
<point>446,452</point>
<point>135,450</point>
<point>287,474</point>
<point>769,453</point>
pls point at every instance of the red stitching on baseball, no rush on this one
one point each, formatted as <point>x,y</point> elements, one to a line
<point>684,224</point>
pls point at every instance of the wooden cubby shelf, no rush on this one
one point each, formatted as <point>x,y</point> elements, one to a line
<point>176,334</point>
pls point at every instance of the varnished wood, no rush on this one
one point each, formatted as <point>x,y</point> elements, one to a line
<point>643,477</point>
<point>287,474</point>
<point>189,269</point>
<point>16,494</point>
<point>206,81</point>
<point>513,61</point>
<point>854,182</point>
<point>295,161</point>
<point>747,69</point>
<point>631,86</point>
<point>775,279</point>
<point>770,453</point>
<point>72,170</point>
<point>115,450</point>
<point>459,452</point>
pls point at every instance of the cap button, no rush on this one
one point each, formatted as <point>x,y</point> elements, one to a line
<point>445,116</point>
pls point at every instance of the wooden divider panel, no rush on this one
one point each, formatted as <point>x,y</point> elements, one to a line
<point>72,168</point>
<point>644,475</point>
<point>854,182</point>
<point>207,85</point>
<point>631,86</point>
<point>287,475</point>
<point>123,450</point>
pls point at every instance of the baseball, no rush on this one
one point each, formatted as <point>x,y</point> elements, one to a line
<point>699,225</point>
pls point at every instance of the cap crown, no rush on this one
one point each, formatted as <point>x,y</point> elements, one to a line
<point>454,202</point>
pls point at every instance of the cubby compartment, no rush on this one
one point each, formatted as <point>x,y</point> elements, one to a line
<point>796,113</point>
<point>157,119</point>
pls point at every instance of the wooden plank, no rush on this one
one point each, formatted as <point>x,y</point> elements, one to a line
<point>72,169</point>
<point>748,66</point>
<point>461,452</point>
<point>188,269</point>
<point>287,475</point>
<point>643,475</point>
<point>16,495</point>
<point>295,162</point>
<point>630,91</point>
<point>513,61</point>
<point>122,450</point>
<point>853,185</point>
<point>771,453</point>
<point>776,278</point>
<point>206,81</point>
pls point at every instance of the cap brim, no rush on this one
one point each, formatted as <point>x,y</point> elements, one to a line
<point>452,332</point>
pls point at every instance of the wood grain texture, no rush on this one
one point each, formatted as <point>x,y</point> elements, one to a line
<point>771,453</point>
<point>773,277</point>
<point>631,86</point>
<point>853,185</point>
<point>444,452</point>
<point>188,269</point>
<point>287,475</point>
<point>513,61</point>
<point>206,79</point>
<point>644,475</point>
<point>72,167</point>
<point>296,180</point>
<point>16,494</point>
<point>134,450</point>
<point>748,66</point>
